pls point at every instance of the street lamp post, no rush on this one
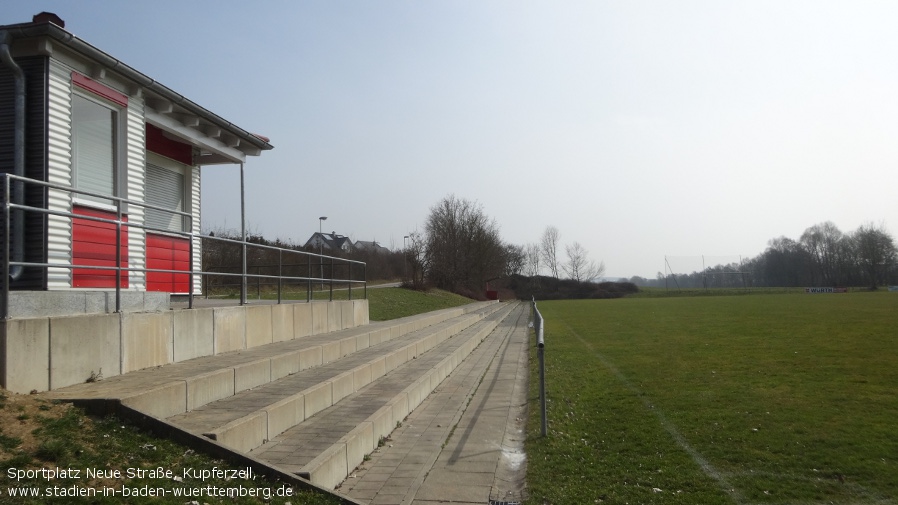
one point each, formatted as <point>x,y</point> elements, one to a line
<point>321,248</point>
<point>405,252</point>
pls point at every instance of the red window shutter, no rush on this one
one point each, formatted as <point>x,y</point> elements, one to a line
<point>93,244</point>
<point>168,253</point>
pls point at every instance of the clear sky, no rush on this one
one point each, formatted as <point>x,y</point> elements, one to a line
<point>639,129</point>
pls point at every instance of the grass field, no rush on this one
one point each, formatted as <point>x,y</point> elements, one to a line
<point>780,399</point>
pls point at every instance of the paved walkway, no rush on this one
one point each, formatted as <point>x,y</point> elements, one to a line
<point>464,444</point>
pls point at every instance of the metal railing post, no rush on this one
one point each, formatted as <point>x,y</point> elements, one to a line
<point>205,279</point>
<point>118,256</point>
<point>542,382</point>
<point>280,273</point>
<point>350,281</point>
<point>192,270</point>
<point>540,352</point>
<point>4,303</point>
<point>332,279</point>
<point>243,236</point>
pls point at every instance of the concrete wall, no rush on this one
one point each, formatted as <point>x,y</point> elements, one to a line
<point>44,353</point>
<point>33,304</point>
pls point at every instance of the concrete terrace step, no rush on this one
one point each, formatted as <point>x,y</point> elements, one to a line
<point>249,418</point>
<point>327,447</point>
<point>464,443</point>
<point>176,388</point>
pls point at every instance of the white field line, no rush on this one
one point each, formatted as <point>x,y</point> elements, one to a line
<point>672,430</point>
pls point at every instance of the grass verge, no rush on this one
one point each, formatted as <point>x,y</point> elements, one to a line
<point>40,437</point>
<point>392,303</point>
<point>762,399</point>
<point>383,303</point>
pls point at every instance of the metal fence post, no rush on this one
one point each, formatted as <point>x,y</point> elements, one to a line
<point>118,256</point>
<point>540,353</point>
<point>542,382</point>
<point>4,310</point>
<point>192,269</point>
<point>280,273</point>
<point>242,237</point>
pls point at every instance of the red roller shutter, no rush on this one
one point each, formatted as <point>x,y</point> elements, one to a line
<point>93,244</point>
<point>168,253</point>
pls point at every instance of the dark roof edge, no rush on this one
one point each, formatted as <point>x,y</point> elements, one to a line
<point>88,50</point>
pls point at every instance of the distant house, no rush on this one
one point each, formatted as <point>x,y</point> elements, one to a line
<point>329,242</point>
<point>116,145</point>
<point>372,246</point>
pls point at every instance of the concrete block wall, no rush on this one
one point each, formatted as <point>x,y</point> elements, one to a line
<point>32,304</point>
<point>43,353</point>
<point>81,347</point>
<point>147,340</point>
<point>25,337</point>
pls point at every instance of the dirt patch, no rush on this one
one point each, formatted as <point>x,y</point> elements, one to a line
<point>19,416</point>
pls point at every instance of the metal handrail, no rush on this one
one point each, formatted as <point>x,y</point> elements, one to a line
<point>540,349</point>
<point>120,224</point>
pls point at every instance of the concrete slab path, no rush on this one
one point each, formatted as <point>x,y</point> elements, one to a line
<point>464,444</point>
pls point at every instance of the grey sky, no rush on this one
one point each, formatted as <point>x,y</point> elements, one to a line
<point>639,129</point>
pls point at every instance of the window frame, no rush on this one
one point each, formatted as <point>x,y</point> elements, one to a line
<point>107,98</point>
<point>184,171</point>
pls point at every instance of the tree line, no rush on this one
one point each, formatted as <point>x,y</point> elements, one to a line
<point>822,256</point>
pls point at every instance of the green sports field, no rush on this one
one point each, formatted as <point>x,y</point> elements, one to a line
<point>782,399</point>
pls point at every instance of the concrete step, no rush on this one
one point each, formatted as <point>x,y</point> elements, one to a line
<point>247,419</point>
<point>326,447</point>
<point>464,443</point>
<point>176,388</point>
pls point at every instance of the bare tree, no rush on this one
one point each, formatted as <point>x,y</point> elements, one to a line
<point>532,260</point>
<point>579,267</point>
<point>548,247</point>
<point>463,245</point>
<point>515,259</point>
<point>875,251</point>
<point>822,243</point>
<point>416,258</point>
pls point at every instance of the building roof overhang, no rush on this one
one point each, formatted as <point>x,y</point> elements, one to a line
<point>218,140</point>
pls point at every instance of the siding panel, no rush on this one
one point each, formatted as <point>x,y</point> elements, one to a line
<point>136,172</point>
<point>197,242</point>
<point>59,171</point>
